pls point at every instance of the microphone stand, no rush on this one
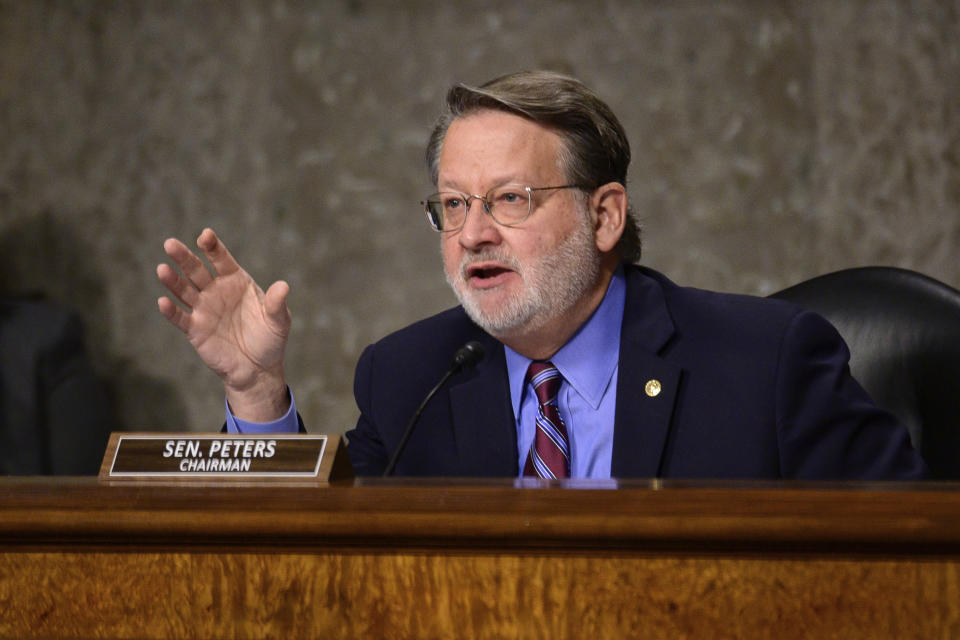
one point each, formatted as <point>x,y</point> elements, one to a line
<point>466,357</point>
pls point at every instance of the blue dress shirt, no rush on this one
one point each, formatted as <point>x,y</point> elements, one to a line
<point>588,395</point>
<point>287,424</point>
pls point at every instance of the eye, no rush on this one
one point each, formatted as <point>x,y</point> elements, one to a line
<point>452,202</point>
<point>511,197</point>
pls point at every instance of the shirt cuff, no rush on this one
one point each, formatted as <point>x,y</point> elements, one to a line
<point>287,424</point>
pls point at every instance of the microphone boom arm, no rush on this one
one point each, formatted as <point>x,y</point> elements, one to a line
<point>466,357</point>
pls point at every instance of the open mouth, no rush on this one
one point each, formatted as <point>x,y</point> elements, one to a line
<point>488,274</point>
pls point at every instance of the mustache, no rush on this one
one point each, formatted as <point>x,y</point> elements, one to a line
<point>489,255</point>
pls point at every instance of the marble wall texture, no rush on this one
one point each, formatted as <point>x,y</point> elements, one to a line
<point>773,141</point>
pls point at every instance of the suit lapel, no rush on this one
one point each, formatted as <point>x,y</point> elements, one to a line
<point>646,383</point>
<point>483,422</point>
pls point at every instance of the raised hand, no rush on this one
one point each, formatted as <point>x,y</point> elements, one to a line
<point>238,330</point>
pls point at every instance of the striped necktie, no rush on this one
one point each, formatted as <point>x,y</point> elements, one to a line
<point>550,453</point>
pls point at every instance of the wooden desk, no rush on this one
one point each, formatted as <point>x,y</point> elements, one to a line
<point>425,560</point>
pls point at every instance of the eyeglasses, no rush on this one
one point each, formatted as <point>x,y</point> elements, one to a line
<point>508,205</point>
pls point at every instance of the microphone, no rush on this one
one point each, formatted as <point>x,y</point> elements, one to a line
<point>466,358</point>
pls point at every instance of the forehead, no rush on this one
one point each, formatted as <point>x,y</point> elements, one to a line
<point>489,147</point>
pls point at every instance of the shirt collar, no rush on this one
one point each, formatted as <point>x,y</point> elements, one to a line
<point>587,361</point>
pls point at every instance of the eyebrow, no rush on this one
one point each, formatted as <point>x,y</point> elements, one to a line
<point>453,185</point>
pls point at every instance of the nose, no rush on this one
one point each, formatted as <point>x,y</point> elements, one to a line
<point>479,228</point>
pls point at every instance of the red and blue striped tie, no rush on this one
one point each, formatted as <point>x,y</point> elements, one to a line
<point>550,453</point>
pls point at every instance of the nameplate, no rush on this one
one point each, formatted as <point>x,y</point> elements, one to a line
<point>192,456</point>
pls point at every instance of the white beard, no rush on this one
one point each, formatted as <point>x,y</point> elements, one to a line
<point>552,285</point>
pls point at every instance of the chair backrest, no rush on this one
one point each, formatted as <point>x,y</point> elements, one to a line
<point>903,330</point>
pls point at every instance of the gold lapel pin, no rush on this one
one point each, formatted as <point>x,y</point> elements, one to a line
<point>653,388</point>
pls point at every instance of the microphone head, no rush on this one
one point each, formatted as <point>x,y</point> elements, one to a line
<point>467,356</point>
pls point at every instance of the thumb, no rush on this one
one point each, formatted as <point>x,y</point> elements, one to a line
<point>275,304</point>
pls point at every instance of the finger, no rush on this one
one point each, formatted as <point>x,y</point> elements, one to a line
<point>173,313</point>
<point>275,305</point>
<point>220,259</point>
<point>190,265</point>
<point>180,287</point>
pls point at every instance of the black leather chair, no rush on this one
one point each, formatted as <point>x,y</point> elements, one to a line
<point>903,330</point>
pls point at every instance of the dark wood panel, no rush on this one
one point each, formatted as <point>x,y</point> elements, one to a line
<point>401,559</point>
<point>887,518</point>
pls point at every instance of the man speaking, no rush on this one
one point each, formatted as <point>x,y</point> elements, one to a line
<point>594,367</point>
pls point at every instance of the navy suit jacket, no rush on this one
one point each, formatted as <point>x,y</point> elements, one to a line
<point>750,388</point>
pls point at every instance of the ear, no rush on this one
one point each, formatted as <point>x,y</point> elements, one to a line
<point>608,204</point>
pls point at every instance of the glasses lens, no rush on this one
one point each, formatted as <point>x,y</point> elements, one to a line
<point>509,204</point>
<point>434,218</point>
<point>446,210</point>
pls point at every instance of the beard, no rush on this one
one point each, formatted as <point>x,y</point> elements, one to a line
<point>551,284</point>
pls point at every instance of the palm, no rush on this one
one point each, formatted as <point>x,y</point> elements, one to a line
<point>238,330</point>
<point>232,332</point>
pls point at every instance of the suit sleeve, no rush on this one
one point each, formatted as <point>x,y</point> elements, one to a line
<point>827,425</point>
<point>368,454</point>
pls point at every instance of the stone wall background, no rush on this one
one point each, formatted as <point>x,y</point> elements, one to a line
<point>772,142</point>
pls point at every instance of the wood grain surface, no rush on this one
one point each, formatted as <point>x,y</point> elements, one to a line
<point>80,559</point>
